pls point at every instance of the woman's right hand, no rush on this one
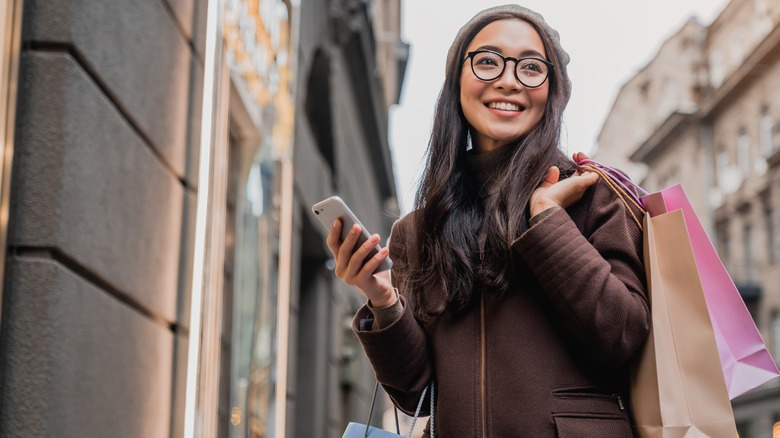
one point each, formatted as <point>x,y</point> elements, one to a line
<point>351,269</point>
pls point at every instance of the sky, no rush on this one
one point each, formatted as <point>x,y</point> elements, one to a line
<point>608,41</point>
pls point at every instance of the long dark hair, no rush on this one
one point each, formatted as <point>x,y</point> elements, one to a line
<point>447,268</point>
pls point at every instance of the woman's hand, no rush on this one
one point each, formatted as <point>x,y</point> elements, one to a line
<point>350,267</point>
<point>564,193</point>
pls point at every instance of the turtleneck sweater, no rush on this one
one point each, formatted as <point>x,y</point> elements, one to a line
<point>488,169</point>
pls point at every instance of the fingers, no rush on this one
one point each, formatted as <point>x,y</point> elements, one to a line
<point>371,265</point>
<point>579,156</point>
<point>346,249</point>
<point>359,256</point>
<point>589,178</point>
<point>352,267</point>
<point>573,188</point>
<point>334,237</point>
<point>552,176</point>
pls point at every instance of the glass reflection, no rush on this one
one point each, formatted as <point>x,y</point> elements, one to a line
<point>253,378</point>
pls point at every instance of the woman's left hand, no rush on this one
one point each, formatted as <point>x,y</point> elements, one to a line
<point>564,193</point>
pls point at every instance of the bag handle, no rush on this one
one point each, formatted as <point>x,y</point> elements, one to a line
<point>617,183</point>
<point>395,411</point>
<point>617,177</point>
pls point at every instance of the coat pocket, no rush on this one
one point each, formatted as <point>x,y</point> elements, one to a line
<point>588,399</point>
<point>592,426</point>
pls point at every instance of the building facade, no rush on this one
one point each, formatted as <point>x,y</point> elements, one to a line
<point>705,112</point>
<point>163,274</point>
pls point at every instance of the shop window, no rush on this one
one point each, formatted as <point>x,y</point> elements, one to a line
<point>255,341</point>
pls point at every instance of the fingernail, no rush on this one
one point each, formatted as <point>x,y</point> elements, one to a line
<point>336,223</point>
<point>384,251</point>
<point>374,238</point>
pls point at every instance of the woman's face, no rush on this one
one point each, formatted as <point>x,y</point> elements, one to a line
<point>494,127</point>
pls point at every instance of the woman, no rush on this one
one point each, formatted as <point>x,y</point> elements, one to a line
<point>521,294</point>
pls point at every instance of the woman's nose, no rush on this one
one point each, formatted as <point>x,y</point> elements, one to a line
<point>507,80</point>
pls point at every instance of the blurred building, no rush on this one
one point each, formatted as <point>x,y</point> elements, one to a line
<point>351,68</point>
<point>705,112</point>
<point>163,273</point>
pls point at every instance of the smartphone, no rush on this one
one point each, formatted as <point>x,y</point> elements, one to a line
<point>333,208</point>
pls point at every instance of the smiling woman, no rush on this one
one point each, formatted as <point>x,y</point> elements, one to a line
<point>517,284</point>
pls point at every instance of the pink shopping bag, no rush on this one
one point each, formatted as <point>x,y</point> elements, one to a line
<point>745,360</point>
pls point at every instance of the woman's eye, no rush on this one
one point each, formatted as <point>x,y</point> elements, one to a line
<point>486,61</point>
<point>532,67</point>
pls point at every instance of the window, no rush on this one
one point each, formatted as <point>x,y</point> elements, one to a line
<point>725,244</point>
<point>771,244</point>
<point>776,136</point>
<point>743,154</point>
<point>318,108</point>
<point>722,164</point>
<point>765,126</point>
<point>774,334</point>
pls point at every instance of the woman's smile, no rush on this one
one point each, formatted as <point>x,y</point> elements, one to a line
<point>506,108</point>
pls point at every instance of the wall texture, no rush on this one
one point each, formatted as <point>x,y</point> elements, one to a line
<point>101,217</point>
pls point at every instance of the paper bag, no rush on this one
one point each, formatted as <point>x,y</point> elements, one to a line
<point>678,388</point>
<point>744,358</point>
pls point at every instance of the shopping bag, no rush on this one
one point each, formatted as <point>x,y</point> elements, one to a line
<point>745,361</point>
<point>677,387</point>
<point>358,430</point>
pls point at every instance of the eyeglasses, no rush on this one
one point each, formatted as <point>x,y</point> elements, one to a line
<point>488,65</point>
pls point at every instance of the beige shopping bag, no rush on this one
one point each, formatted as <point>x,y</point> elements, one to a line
<point>678,388</point>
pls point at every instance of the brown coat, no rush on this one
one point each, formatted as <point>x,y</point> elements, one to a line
<point>548,359</point>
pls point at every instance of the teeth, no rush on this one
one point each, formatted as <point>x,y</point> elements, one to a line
<point>504,106</point>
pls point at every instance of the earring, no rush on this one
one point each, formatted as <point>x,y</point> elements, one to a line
<point>469,144</point>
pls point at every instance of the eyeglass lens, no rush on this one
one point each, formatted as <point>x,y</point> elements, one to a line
<point>489,66</point>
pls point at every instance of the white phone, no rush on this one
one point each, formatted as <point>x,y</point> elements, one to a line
<point>333,208</point>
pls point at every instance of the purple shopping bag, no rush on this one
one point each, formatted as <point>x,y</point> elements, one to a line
<point>744,358</point>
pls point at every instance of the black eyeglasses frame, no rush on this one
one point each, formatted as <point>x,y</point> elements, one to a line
<point>471,55</point>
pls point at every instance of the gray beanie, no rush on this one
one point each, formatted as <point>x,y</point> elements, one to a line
<point>530,16</point>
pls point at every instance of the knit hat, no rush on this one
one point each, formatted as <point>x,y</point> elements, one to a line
<point>517,11</point>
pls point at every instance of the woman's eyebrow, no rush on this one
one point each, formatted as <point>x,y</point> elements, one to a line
<point>523,54</point>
